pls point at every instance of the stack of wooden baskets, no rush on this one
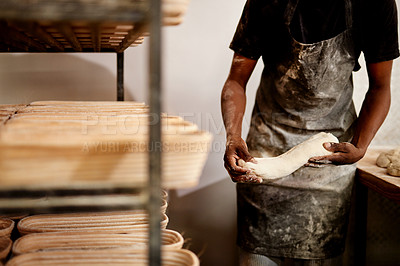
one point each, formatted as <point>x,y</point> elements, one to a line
<point>57,144</point>
<point>95,142</point>
<point>107,238</point>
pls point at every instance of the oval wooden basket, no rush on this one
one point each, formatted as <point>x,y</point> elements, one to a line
<point>6,227</point>
<point>97,142</point>
<point>92,241</point>
<point>164,205</point>
<point>164,194</point>
<point>119,222</point>
<point>14,216</point>
<point>5,247</point>
<point>180,257</point>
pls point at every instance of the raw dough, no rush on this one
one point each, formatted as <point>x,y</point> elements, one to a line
<point>288,162</point>
<point>385,158</point>
<point>391,161</point>
<point>394,167</point>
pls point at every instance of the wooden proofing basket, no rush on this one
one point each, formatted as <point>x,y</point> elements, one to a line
<point>14,216</point>
<point>91,241</point>
<point>56,144</point>
<point>5,247</point>
<point>7,110</point>
<point>6,227</point>
<point>118,222</point>
<point>113,257</point>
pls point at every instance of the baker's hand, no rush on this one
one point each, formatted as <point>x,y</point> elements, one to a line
<point>236,149</point>
<point>343,153</point>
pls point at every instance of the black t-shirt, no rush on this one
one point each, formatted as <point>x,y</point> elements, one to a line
<point>316,20</point>
<point>262,31</point>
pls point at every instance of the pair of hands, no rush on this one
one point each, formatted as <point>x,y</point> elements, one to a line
<point>236,148</point>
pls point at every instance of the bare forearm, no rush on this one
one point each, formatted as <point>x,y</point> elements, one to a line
<point>233,105</point>
<point>233,96</point>
<point>375,106</point>
<point>373,112</point>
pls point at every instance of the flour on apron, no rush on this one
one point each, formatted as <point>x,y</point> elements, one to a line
<point>303,215</point>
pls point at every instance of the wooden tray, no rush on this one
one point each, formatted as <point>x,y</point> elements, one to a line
<point>137,239</point>
<point>122,222</point>
<point>96,142</point>
<point>179,257</point>
<point>6,227</point>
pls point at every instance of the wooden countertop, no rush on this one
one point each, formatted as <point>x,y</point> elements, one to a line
<point>374,177</point>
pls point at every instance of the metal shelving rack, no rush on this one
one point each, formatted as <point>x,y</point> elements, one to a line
<point>91,26</point>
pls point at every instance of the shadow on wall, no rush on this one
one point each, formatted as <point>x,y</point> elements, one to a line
<point>29,77</point>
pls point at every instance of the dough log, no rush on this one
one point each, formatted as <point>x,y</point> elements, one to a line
<point>288,162</point>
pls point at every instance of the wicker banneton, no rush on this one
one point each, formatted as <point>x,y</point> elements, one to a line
<point>5,247</point>
<point>101,222</point>
<point>92,241</point>
<point>10,109</point>
<point>180,257</point>
<point>164,194</point>
<point>164,206</point>
<point>97,142</point>
<point>14,216</point>
<point>6,227</point>
<point>7,110</point>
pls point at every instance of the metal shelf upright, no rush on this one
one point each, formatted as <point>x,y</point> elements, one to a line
<point>92,26</point>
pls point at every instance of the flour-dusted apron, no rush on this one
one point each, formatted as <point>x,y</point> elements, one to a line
<point>303,215</point>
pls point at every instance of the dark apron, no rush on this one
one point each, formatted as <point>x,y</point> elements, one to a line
<point>303,215</point>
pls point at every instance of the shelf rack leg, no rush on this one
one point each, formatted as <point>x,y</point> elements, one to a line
<point>154,185</point>
<point>120,76</point>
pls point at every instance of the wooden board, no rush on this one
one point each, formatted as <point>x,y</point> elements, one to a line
<point>375,177</point>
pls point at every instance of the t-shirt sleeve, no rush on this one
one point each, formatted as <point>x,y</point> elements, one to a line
<point>246,40</point>
<point>379,31</point>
